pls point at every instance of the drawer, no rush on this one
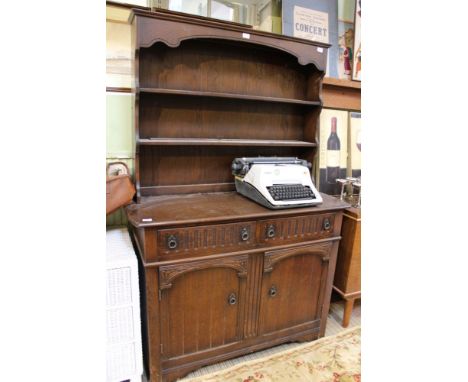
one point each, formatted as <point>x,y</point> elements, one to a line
<point>203,240</point>
<point>295,229</point>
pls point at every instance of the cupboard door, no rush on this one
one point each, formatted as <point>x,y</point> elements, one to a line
<point>293,286</point>
<point>201,304</point>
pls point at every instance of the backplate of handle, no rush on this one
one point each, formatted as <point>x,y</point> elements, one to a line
<point>273,291</point>
<point>271,231</point>
<point>245,234</point>
<point>232,299</point>
<point>172,242</point>
<point>326,224</point>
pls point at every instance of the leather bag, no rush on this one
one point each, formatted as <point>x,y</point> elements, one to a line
<point>119,187</point>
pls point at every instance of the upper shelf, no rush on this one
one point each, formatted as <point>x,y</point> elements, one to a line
<point>229,96</point>
<point>222,142</point>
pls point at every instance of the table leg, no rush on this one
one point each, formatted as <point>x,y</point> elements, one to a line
<point>348,309</point>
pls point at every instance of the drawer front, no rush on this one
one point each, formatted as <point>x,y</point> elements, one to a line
<point>203,240</point>
<point>294,229</point>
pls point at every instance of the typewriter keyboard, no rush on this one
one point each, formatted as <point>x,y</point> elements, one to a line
<point>290,192</point>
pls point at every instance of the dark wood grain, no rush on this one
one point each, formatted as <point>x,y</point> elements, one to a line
<point>211,320</point>
<point>341,95</point>
<point>110,89</point>
<point>196,165</point>
<point>298,278</point>
<point>227,68</point>
<point>165,27</point>
<point>188,117</point>
<point>183,210</point>
<point>246,97</point>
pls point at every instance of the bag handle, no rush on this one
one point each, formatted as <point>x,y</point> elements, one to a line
<point>120,168</point>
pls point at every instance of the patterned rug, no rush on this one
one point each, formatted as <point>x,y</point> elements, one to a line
<point>329,359</point>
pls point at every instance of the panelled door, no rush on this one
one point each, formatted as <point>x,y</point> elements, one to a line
<point>201,304</point>
<point>293,286</point>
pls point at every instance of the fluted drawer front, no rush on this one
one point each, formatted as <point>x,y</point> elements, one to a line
<point>201,240</point>
<point>299,228</point>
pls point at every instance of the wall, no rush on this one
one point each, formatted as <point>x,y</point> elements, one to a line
<point>120,145</point>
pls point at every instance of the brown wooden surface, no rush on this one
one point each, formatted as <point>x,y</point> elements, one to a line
<point>165,26</point>
<point>194,117</point>
<point>348,271</point>
<point>342,83</point>
<point>211,262</point>
<point>228,96</point>
<point>341,94</point>
<point>201,84</point>
<point>182,210</point>
<point>192,322</point>
<point>347,279</point>
<point>110,89</point>
<point>298,278</point>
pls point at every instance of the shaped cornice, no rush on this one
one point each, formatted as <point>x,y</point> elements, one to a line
<point>153,27</point>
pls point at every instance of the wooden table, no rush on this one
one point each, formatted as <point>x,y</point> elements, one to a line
<point>347,282</point>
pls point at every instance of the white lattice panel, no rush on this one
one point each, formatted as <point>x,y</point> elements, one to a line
<point>119,286</point>
<point>121,362</point>
<point>124,350</point>
<point>120,325</point>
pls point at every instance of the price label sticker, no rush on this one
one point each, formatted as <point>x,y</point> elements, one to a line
<point>320,49</point>
<point>246,35</point>
<point>147,220</point>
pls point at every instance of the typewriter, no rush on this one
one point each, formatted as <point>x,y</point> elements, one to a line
<point>275,182</point>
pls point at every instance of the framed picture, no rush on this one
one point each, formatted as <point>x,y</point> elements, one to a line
<point>346,10</point>
<point>354,147</point>
<point>315,20</point>
<point>357,43</point>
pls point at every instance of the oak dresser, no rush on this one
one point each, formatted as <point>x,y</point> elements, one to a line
<point>222,276</point>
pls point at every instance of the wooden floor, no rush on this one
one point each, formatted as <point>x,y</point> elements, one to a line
<point>333,327</point>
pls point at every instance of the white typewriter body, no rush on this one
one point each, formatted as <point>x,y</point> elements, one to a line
<point>276,182</point>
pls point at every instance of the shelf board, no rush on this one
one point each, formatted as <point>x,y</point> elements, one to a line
<point>222,142</point>
<point>342,83</point>
<point>229,96</point>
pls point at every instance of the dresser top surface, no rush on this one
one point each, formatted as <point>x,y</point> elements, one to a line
<point>170,210</point>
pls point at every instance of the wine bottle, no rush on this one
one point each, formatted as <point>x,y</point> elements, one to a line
<point>333,154</point>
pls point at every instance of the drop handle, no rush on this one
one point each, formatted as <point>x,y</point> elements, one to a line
<point>273,291</point>
<point>232,299</point>
<point>271,231</point>
<point>326,224</point>
<point>172,242</point>
<point>245,234</point>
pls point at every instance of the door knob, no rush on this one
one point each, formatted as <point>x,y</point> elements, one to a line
<point>232,299</point>
<point>172,242</point>
<point>271,231</point>
<point>245,234</point>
